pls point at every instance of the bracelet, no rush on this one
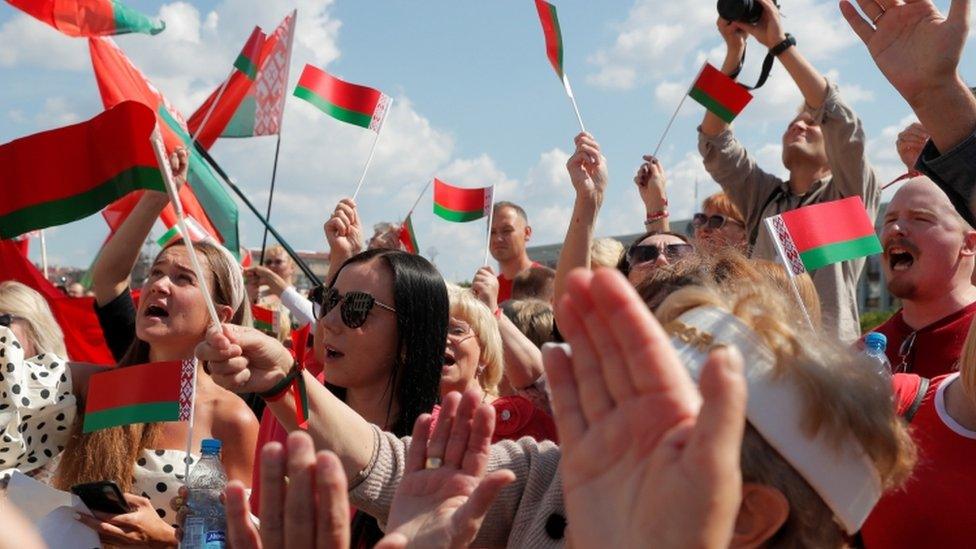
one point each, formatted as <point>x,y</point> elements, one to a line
<point>279,388</point>
<point>656,216</point>
<point>294,383</point>
<point>497,312</point>
<point>786,44</point>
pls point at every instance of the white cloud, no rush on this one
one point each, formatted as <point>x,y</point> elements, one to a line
<point>30,43</point>
<point>182,22</point>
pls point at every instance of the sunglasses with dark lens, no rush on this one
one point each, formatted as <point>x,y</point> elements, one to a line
<point>355,306</point>
<point>6,319</point>
<point>714,222</point>
<point>648,252</point>
<point>904,352</point>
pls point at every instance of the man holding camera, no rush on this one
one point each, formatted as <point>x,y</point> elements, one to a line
<point>823,149</point>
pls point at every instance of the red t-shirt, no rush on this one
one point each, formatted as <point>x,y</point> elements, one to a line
<point>935,507</point>
<point>937,346</point>
<point>505,285</point>
<point>516,417</point>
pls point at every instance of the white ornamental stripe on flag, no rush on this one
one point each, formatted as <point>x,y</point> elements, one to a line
<point>489,200</point>
<point>186,388</point>
<point>791,256</point>
<point>380,112</point>
<point>272,81</point>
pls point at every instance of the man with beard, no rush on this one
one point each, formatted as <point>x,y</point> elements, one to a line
<point>928,262</point>
<point>823,149</point>
<point>510,231</point>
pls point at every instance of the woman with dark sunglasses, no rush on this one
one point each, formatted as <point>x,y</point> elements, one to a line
<point>652,250</point>
<point>720,225</point>
<point>380,333</point>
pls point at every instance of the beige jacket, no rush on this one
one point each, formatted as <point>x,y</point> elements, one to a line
<point>759,194</point>
<point>527,513</point>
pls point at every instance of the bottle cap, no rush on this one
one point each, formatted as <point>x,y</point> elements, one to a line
<point>876,339</point>
<point>210,446</point>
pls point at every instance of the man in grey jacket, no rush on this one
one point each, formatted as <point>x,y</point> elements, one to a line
<point>823,149</point>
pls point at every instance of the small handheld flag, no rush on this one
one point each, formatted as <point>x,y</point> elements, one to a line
<point>554,49</point>
<point>89,17</point>
<point>197,233</point>
<point>264,319</point>
<point>407,236</point>
<point>718,93</point>
<point>158,391</point>
<point>460,205</point>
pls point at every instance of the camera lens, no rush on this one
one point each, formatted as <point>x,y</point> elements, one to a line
<point>744,11</point>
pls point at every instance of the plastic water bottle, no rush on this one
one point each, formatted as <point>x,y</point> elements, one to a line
<point>874,347</point>
<point>205,526</point>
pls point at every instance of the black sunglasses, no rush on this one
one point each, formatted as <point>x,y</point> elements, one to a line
<point>714,222</point>
<point>355,305</point>
<point>648,252</point>
<point>6,319</point>
<point>904,352</point>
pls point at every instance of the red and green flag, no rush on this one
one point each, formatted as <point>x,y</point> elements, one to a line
<point>721,95</point>
<point>815,236</point>
<point>203,197</point>
<point>197,233</point>
<point>89,17</point>
<point>83,167</point>
<point>459,204</point>
<point>247,61</point>
<point>158,391</point>
<point>554,37</point>
<point>264,319</point>
<point>352,103</point>
<point>407,235</point>
<point>249,108</point>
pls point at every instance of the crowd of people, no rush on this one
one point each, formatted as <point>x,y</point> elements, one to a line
<point>674,392</point>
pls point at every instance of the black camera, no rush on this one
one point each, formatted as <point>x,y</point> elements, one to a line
<point>744,11</point>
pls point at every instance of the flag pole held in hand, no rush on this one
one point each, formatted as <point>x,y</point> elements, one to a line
<point>554,50</point>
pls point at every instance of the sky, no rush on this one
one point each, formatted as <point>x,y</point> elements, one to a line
<point>476,103</point>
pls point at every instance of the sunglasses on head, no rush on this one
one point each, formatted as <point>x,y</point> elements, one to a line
<point>714,222</point>
<point>6,319</point>
<point>355,306</point>
<point>649,252</point>
<point>269,262</point>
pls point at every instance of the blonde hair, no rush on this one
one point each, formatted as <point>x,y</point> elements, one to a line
<point>117,448</point>
<point>843,397</point>
<point>465,306</point>
<point>42,329</point>
<point>533,317</point>
<point>605,252</point>
<point>776,273</point>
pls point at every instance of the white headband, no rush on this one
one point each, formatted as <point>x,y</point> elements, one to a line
<point>843,475</point>
<point>237,291</point>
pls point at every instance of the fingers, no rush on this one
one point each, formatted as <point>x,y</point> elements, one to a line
<point>241,532</point>
<point>332,527</point>
<point>567,413</point>
<point>437,444</point>
<point>858,24</point>
<point>417,452</point>
<point>716,439</point>
<point>457,442</point>
<point>299,497</point>
<point>959,12</point>
<point>469,516</point>
<point>394,540</point>
<point>272,495</point>
<point>479,442</point>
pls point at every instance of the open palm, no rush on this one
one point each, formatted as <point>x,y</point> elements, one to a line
<point>631,435</point>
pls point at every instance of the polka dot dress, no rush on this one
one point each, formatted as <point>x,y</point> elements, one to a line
<point>158,476</point>
<point>37,407</point>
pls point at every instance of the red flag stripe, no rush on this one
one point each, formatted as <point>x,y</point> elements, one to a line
<point>457,198</point>
<point>554,39</point>
<point>342,94</point>
<point>723,89</point>
<point>126,386</point>
<point>828,222</point>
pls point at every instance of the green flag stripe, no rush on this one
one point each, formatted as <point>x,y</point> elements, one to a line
<point>130,20</point>
<point>458,216</point>
<point>136,413</point>
<point>242,123</point>
<point>559,36</point>
<point>263,326</point>
<point>168,235</point>
<point>71,208</point>
<point>335,111</point>
<point>712,105</point>
<point>840,251</point>
<point>246,66</point>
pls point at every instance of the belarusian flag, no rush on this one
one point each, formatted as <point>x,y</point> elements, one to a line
<point>158,391</point>
<point>352,103</point>
<point>264,319</point>
<point>407,235</point>
<point>61,175</point>
<point>197,233</point>
<point>89,17</point>
<point>249,109</point>
<point>203,197</point>
<point>815,236</point>
<point>458,204</point>
<point>718,93</point>
<point>554,37</point>
<point>247,61</point>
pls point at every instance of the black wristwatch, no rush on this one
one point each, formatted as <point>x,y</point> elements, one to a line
<point>787,43</point>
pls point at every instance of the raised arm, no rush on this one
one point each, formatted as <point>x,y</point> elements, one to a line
<point>588,173</point>
<point>735,45</point>
<point>651,185</point>
<point>344,233</point>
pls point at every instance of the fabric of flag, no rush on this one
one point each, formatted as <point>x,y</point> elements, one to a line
<point>89,17</point>
<point>264,319</point>
<point>554,37</point>
<point>407,235</point>
<point>250,109</point>
<point>202,197</point>
<point>197,233</point>
<point>352,103</point>
<point>819,235</point>
<point>247,61</point>
<point>718,93</point>
<point>459,204</point>
<point>146,393</point>
<point>83,167</point>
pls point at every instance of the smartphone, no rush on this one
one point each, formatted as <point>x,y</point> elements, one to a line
<point>104,496</point>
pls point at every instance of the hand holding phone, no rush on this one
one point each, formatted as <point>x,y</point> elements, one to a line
<point>104,496</point>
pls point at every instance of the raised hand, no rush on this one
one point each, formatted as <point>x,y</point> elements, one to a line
<point>664,472</point>
<point>445,493</point>
<point>179,163</point>
<point>307,508</point>
<point>768,31</point>
<point>910,143</point>
<point>344,232</point>
<point>734,36</point>
<point>587,167</point>
<point>244,360</point>
<point>485,287</point>
<point>651,183</point>
<point>258,275</point>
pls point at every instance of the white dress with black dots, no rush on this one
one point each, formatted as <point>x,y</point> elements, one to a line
<point>157,476</point>
<point>37,407</point>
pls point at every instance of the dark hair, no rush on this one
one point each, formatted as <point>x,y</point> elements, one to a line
<point>624,264</point>
<point>534,283</point>
<point>518,209</point>
<point>422,312</point>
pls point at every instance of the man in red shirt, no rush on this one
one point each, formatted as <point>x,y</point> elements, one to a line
<point>928,262</point>
<point>510,231</point>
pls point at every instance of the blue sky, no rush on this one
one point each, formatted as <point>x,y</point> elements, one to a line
<point>476,104</point>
